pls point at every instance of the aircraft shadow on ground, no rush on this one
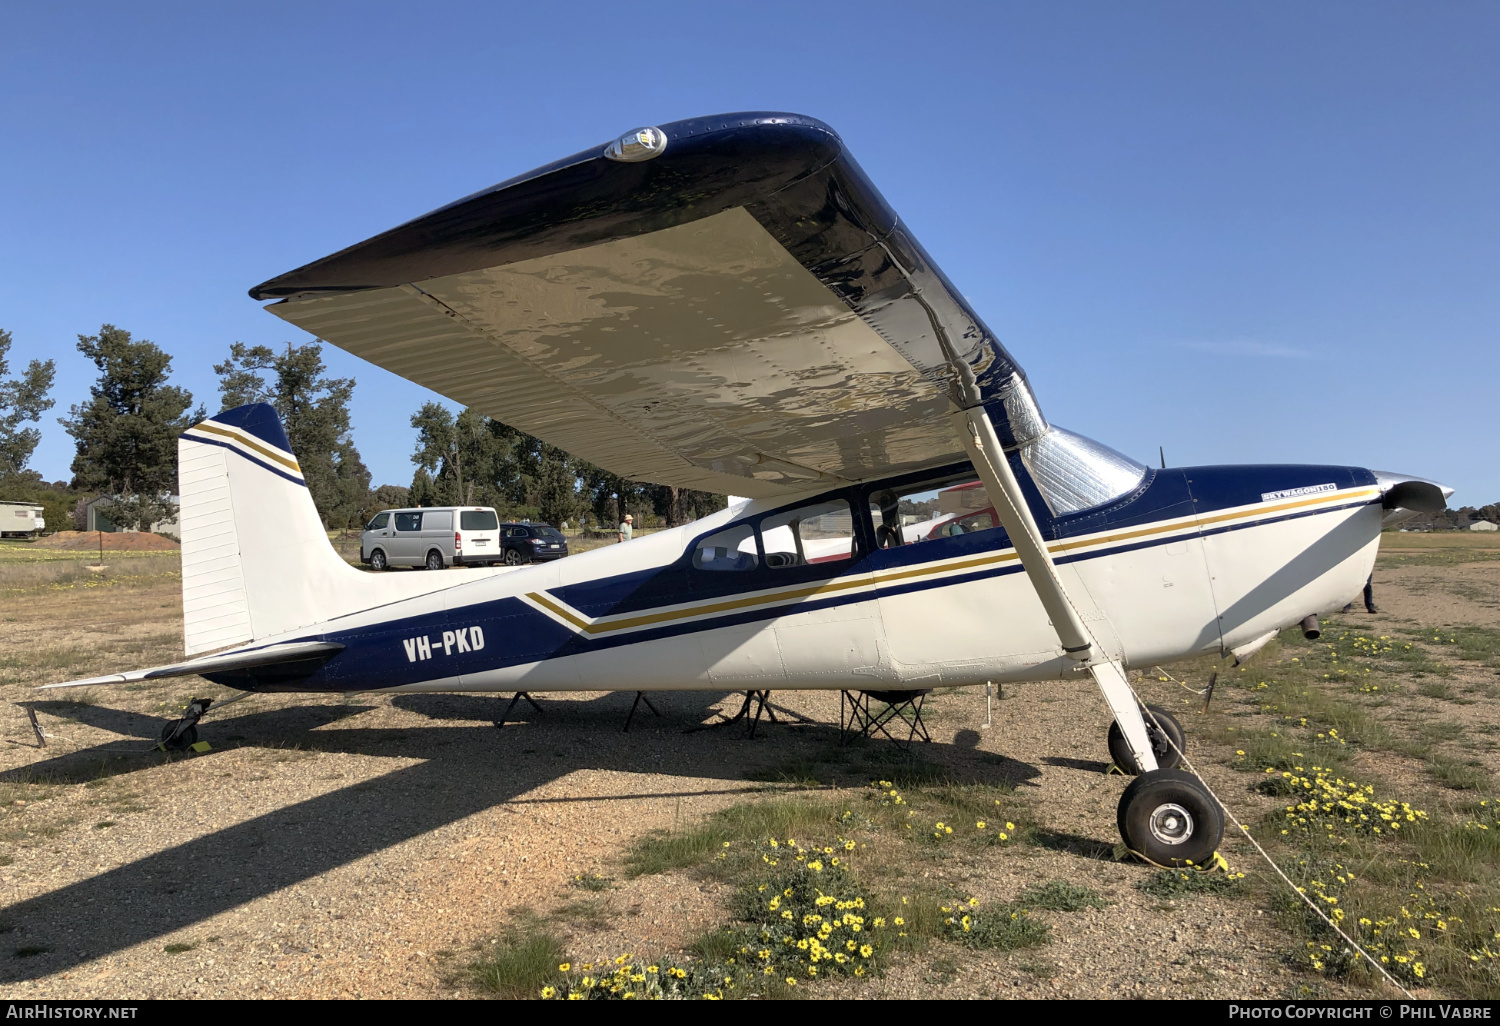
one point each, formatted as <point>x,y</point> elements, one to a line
<point>467,768</point>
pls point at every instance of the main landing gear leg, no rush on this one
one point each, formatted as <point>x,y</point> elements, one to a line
<point>1166,815</point>
<point>1122,704</point>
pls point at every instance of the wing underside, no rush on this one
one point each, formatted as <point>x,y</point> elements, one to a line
<point>742,313</point>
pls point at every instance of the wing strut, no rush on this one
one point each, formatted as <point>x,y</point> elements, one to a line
<point>993,468</point>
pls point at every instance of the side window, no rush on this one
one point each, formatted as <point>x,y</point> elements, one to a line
<point>378,522</point>
<point>929,510</point>
<point>822,533</point>
<point>408,521</point>
<point>733,549</point>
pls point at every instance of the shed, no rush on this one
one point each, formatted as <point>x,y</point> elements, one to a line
<point>1483,525</point>
<point>97,520</point>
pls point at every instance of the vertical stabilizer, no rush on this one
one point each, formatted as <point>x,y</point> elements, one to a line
<point>256,560</point>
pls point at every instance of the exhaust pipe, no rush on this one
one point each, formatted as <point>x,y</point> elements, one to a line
<point>1310,629</point>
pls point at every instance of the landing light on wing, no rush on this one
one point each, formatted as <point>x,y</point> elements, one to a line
<point>642,144</point>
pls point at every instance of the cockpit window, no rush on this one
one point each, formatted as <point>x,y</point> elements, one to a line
<point>943,508</point>
<point>733,549</point>
<point>821,533</point>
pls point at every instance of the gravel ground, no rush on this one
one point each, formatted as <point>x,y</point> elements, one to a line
<point>362,849</point>
<point>370,846</point>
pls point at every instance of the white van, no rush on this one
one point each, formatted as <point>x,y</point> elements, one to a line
<point>433,537</point>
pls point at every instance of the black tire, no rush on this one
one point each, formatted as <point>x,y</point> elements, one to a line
<point>1170,818</point>
<point>182,742</point>
<point>377,560</point>
<point>513,557</point>
<point>1167,757</point>
<point>434,560</point>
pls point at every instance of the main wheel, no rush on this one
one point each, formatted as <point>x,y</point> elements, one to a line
<point>1170,818</point>
<point>1167,756</point>
<point>513,557</point>
<point>434,560</point>
<point>182,742</point>
<point>377,560</point>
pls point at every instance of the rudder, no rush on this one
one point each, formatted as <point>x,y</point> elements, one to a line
<point>256,561</point>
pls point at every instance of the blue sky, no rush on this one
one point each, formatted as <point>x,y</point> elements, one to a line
<point>1254,232</point>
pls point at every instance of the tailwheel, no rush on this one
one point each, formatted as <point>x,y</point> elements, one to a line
<point>1169,817</point>
<point>174,739</point>
<point>180,735</point>
<point>1167,754</point>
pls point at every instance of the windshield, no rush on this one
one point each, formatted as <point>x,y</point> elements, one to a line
<point>479,520</point>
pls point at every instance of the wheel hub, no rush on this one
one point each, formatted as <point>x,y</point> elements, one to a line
<point>1171,824</point>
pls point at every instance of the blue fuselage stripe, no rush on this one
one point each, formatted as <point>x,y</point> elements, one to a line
<point>518,634</point>
<point>241,452</point>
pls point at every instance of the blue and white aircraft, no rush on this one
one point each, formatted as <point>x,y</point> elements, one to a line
<point>728,304</point>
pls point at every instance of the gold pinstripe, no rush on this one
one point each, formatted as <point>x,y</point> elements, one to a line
<point>270,454</point>
<point>832,587</point>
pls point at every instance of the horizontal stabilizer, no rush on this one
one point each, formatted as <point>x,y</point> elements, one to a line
<point>215,664</point>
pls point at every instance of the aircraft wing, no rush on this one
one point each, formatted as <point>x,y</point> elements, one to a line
<point>724,303</point>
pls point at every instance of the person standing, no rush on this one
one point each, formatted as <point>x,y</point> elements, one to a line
<point>627,528</point>
<point>1369,596</point>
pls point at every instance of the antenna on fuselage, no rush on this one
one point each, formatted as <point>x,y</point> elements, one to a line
<point>1163,451</point>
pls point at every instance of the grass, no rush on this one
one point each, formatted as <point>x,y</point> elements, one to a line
<point>179,948</point>
<point>520,963</point>
<point>1437,548</point>
<point>1060,896</point>
<point>1174,883</point>
<point>1003,928</point>
<point>589,913</point>
<point>664,850</point>
<point>717,946</point>
<point>1425,898</point>
<point>1472,644</point>
<point>1459,774</point>
<point>32,951</point>
<point>864,848</point>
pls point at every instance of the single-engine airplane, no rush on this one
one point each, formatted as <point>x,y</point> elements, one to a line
<point>728,304</point>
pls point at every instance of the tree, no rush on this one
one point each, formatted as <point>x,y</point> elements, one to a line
<point>314,409</point>
<point>22,399</point>
<point>680,505</point>
<point>127,432</point>
<point>422,491</point>
<point>472,459</point>
<point>467,461</point>
<point>610,496</point>
<point>556,485</point>
<point>390,497</point>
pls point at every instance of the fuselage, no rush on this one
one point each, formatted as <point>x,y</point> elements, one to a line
<point>1194,560</point>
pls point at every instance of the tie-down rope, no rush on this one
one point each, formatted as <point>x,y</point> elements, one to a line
<point>1245,831</point>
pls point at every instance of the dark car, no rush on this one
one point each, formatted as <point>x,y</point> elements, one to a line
<point>531,543</point>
